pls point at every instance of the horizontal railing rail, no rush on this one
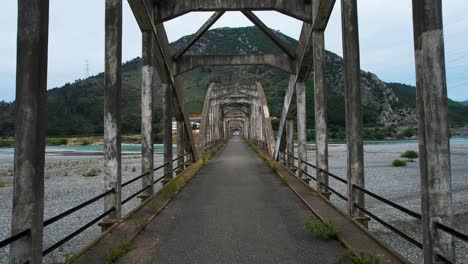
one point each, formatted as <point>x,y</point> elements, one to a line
<point>8,241</point>
<point>367,192</point>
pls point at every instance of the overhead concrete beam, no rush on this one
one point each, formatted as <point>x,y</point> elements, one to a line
<point>299,9</point>
<point>217,15</point>
<point>188,62</point>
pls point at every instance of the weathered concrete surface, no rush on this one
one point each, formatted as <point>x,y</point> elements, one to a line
<point>188,62</point>
<point>167,137</point>
<point>112,96</point>
<point>235,211</point>
<point>301,130</point>
<point>30,132</point>
<point>268,129</point>
<point>434,147</point>
<point>299,9</point>
<point>290,143</point>
<point>148,83</point>
<point>321,136</point>
<point>353,102</point>
<point>270,33</point>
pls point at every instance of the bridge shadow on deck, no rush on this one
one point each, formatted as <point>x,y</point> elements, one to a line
<point>234,211</point>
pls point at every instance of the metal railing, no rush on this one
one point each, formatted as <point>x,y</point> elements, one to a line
<point>396,206</point>
<point>8,241</point>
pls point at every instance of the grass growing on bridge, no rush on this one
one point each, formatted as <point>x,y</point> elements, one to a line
<point>326,230</point>
<point>410,154</point>
<point>115,254</point>
<point>360,258</point>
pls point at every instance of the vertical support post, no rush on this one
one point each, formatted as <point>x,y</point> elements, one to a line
<point>321,137</point>
<point>180,146</point>
<point>301,130</point>
<point>434,146</point>
<point>30,132</point>
<point>167,120</point>
<point>147,149</point>
<point>353,106</point>
<point>112,94</point>
<point>290,142</point>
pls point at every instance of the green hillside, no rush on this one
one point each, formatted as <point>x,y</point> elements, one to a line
<point>76,109</point>
<point>458,112</point>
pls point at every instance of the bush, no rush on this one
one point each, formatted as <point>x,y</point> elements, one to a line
<point>92,172</point>
<point>57,141</point>
<point>399,163</point>
<point>410,154</point>
<point>324,229</point>
<point>5,143</point>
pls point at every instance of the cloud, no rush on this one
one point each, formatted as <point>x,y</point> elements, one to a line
<point>385,27</point>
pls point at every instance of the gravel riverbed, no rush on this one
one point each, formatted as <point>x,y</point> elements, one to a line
<point>402,186</point>
<point>66,187</point>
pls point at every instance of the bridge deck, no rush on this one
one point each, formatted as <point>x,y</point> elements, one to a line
<point>234,211</point>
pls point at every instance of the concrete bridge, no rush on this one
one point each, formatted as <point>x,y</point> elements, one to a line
<point>234,210</point>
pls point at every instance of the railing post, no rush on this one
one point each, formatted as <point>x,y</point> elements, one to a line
<point>353,105</point>
<point>180,146</point>
<point>147,150</point>
<point>301,130</point>
<point>167,123</point>
<point>321,137</point>
<point>31,123</point>
<point>290,142</point>
<point>434,146</point>
<point>112,94</point>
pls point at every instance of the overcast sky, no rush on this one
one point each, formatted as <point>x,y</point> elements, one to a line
<point>386,38</point>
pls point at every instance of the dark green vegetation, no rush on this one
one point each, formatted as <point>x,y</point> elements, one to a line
<point>325,230</point>
<point>458,111</point>
<point>76,109</point>
<point>399,163</point>
<point>410,154</point>
<point>117,253</point>
<point>361,258</point>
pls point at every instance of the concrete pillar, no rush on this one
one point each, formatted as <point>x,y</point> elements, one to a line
<point>321,136</point>
<point>148,74</point>
<point>353,106</point>
<point>434,147</point>
<point>167,123</point>
<point>31,124</point>
<point>290,142</point>
<point>301,129</point>
<point>180,145</point>
<point>112,96</point>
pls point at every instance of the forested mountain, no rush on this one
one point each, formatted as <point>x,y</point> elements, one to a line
<point>77,108</point>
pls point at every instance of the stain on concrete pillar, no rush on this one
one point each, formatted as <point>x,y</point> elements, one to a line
<point>112,99</point>
<point>30,130</point>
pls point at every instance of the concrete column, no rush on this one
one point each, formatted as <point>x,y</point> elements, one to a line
<point>353,106</point>
<point>147,149</point>
<point>180,145</point>
<point>290,142</point>
<point>112,96</point>
<point>321,136</point>
<point>301,129</point>
<point>167,123</point>
<point>434,146</point>
<point>30,132</point>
